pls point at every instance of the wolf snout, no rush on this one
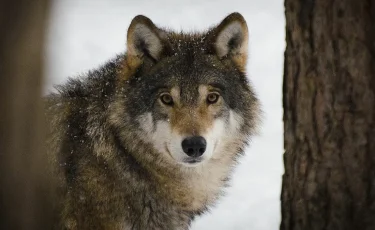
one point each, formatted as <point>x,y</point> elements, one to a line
<point>194,146</point>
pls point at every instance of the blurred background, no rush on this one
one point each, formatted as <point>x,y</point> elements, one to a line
<point>84,34</point>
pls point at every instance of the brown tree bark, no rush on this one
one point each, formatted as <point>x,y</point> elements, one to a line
<point>25,192</point>
<point>329,115</point>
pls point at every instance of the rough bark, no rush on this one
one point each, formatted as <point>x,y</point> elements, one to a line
<point>25,195</point>
<point>329,115</point>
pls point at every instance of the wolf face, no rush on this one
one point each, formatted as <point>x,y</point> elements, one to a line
<point>190,127</point>
<point>189,94</point>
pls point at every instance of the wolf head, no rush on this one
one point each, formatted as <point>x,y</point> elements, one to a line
<point>187,93</point>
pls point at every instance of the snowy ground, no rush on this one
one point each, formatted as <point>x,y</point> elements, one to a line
<point>85,33</point>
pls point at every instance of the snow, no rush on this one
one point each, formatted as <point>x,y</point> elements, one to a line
<point>84,34</point>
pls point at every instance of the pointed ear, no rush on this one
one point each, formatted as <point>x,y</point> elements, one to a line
<point>230,38</point>
<point>144,39</point>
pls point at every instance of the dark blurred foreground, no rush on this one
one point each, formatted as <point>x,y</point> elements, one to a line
<point>25,191</point>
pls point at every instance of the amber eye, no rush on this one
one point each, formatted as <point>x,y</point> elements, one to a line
<point>166,99</point>
<point>212,98</point>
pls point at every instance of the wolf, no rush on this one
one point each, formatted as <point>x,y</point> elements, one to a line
<point>149,139</point>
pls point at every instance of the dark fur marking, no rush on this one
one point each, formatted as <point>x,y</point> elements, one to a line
<point>144,47</point>
<point>72,144</point>
<point>235,41</point>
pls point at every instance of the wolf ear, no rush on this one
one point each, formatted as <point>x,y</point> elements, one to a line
<point>144,39</point>
<point>230,37</point>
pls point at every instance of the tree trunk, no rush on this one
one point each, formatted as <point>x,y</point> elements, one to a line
<point>25,188</point>
<point>329,115</point>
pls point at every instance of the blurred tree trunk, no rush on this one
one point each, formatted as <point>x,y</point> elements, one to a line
<point>25,195</point>
<point>329,115</point>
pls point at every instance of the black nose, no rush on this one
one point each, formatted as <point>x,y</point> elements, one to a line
<point>194,146</point>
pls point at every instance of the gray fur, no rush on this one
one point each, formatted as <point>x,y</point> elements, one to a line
<point>110,177</point>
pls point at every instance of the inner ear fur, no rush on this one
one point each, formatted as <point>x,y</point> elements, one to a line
<point>145,40</point>
<point>230,39</point>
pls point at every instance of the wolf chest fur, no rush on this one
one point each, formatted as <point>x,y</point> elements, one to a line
<point>149,139</point>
